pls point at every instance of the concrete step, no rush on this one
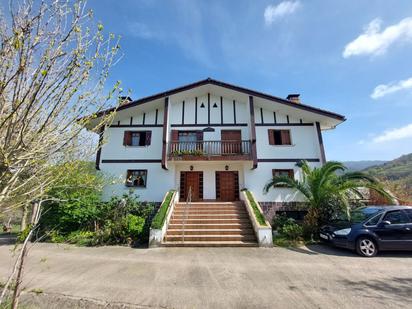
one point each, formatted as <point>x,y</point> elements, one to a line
<point>209,216</point>
<point>209,221</point>
<point>234,237</point>
<point>210,231</point>
<point>210,244</point>
<point>205,226</point>
<point>208,211</point>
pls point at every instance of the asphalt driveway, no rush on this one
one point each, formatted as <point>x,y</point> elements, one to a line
<point>118,277</point>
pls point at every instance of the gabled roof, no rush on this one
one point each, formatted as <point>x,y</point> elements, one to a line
<point>210,81</point>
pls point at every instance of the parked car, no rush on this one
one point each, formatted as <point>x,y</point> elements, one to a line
<point>371,229</point>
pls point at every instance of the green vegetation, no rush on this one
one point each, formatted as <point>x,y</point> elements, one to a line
<point>259,216</point>
<point>75,212</point>
<point>160,217</point>
<point>397,176</point>
<point>328,190</point>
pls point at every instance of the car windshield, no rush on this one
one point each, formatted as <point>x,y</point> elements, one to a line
<point>359,215</point>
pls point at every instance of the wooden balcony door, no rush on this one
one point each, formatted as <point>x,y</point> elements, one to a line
<point>193,180</point>
<point>227,186</point>
<point>231,141</point>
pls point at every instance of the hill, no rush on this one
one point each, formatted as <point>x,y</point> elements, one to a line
<point>397,174</point>
<point>361,165</point>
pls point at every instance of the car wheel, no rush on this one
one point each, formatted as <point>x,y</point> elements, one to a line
<point>365,246</point>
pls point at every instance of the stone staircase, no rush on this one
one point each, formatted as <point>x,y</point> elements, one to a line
<point>210,224</point>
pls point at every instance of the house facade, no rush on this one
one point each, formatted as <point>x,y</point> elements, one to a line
<point>212,139</point>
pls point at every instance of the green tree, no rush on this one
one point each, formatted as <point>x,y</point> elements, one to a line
<point>327,190</point>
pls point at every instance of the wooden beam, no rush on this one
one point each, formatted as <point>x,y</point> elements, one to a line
<point>99,149</point>
<point>253,132</point>
<point>322,148</point>
<point>165,130</point>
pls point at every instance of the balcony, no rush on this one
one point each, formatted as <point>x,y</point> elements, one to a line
<point>209,150</point>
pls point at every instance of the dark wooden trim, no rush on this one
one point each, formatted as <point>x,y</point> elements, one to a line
<point>118,123</point>
<point>132,161</point>
<point>136,126</point>
<point>322,148</point>
<point>157,114</point>
<point>195,109</point>
<point>221,110</point>
<point>287,160</point>
<point>99,149</point>
<point>183,112</point>
<point>284,124</point>
<point>274,117</point>
<point>165,128</point>
<point>234,111</point>
<point>210,124</point>
<point>208,108</point>
<point>253,132</point>
<point>227,86</point>
<point>261,116</point>
<point>131,121</point>
<point>300,120</point>
<point>287,119</point>
<point>144,118</point>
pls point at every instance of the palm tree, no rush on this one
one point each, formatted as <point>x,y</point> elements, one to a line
<point>324,189</point>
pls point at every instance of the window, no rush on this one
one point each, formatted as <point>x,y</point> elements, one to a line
<point>283,172</point>
<point>409,213</point>
<point>137,138</point>
<point>396,217</point>
<point>279,137</point>
<point>374,220</point>
<point>136,178</point>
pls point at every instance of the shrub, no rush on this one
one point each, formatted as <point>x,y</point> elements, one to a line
<point>81,238</point>
<point>288,228</point>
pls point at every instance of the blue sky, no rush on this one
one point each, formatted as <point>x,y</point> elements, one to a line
<point>350,57</point>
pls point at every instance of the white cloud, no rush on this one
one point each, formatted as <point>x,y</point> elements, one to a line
<point>274,12</point>
<point>375,42</point>
<point>384,89</point>
<point>394,134</point>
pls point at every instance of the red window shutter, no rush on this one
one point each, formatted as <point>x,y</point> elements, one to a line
<point>285,137</point>
<point>291,174</point>
<point>271,137</point>
<point>199,135</point>
<point>148,138</point>
<point>127,138</point>
<point>175,135</point>
<point>273,173</point>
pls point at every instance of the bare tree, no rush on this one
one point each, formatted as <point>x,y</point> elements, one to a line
<point>54,65</point>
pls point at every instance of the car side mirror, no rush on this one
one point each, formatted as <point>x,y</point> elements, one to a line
<point>384,223</point>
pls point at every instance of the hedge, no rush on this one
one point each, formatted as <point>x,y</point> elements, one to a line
<point>259,216</point>
<point>160,217</point>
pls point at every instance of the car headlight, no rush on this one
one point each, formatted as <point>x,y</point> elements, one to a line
<point>342,232</point>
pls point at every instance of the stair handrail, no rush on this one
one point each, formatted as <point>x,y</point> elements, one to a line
<point>188,203</point>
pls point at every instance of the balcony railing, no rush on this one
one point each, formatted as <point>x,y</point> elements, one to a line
<point>210,150</point>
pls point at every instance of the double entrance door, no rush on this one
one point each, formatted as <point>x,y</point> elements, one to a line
<point>227,185</point>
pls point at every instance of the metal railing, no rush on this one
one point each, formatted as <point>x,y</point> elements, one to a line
<point>210,148</point>
<point>188,203</point>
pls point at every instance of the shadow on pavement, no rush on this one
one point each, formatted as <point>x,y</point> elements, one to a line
<point>397,289</point>
<point>7,239</point>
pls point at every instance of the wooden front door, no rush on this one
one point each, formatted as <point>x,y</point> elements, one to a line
<point>227,186</point>
<point>231,141</point>
<point>191,181</point>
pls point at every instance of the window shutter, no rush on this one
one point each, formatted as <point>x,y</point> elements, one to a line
<point>148,138</point>
<point>127,138</point>
<point>285,137</point>
<point>199,135</point>
<point>291,174</point>
<point>271,137</point>
<point>175,135</point>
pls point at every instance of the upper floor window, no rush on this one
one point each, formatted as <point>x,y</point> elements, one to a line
<point>279,137</point>
<point>137,138</point>
<point>136,178</point>
<point>283,173</point>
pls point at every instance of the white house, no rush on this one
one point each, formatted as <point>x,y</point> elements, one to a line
<point>215,138</point>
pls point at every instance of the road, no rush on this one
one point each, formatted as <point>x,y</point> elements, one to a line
<point>119,277</point>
